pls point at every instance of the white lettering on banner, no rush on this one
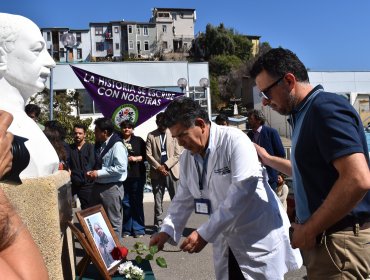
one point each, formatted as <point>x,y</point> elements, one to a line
<point>108,83</point>
<point>113,89</point>
<point>92,78</point>
<point>100,93</point>
<point>160,94</point>
<point>141,90</point>
<point>132,97</point>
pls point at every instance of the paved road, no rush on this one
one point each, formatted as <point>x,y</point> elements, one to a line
<point>184,266</point>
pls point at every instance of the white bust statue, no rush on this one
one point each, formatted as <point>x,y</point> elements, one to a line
<point>24,68</point>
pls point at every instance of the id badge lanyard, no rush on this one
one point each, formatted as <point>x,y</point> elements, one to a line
<point>202,205</point>
<point>163,142</point>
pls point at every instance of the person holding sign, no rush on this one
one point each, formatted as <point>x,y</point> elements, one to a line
<point>221,177</point>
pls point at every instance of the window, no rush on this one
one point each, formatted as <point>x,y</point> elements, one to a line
<point>117,46</point>
<point>99,46</point>
<point>61,52</point>
<point>138,45</point>
<point>116,29</point>
<point>164,28</point>
<point>130,29</point>
<point>78,37</point>
<point>131,44</point>
<point>165,15</point>
<point>60,36</point>
<point>164,45</point>
<point>99,30</point>
<point>146,45</point>
<point>79,53</point>
<point>48,36</point>
<point>145,31</point>
<point>86,104</point>
<point>138,30</point>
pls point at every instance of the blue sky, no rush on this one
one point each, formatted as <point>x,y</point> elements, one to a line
<point>325,34</point>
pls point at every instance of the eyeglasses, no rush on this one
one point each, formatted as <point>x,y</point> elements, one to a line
<point>265,93</point>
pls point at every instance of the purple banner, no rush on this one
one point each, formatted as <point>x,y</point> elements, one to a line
<point>122,101</point>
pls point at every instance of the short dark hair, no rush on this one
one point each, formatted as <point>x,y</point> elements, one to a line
<point>159,119</point>
<point>278,62</point>
<point>104,124</point>
<point>184,110</point>
<point>127,123</point>
<point>221,118</point>
<point>258,115</point>
<point>80,125</point>
<point>32,108</point>
<point>56,125</point>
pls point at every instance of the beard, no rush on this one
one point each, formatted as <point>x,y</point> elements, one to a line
<point>289,105</point>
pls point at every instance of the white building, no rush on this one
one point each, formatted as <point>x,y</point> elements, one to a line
<point>80,51</point>
<point>175,28</point>
<point>169,30</point>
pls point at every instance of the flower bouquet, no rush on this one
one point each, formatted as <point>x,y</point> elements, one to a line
<point>131,271</point>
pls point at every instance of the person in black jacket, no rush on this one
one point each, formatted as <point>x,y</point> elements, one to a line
<point>133,217</point>
<point>268,138</point>
<point>82,159</point>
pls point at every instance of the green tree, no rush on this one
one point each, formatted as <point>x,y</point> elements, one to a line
<point>223,64</point>
<point>63,105</point>
<point>216,98</point>
<point>243,47</point>
<point>221,41</point>
<point>228,53</point>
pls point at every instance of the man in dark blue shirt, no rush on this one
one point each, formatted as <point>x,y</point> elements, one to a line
<point>329,164</point>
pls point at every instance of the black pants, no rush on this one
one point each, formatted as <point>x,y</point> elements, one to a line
<point>83,193</point>
<point>234,270</point>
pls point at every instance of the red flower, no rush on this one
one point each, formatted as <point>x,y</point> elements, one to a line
<point>119,253</point>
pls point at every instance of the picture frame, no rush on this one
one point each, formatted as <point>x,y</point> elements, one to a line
<point>101,237</point>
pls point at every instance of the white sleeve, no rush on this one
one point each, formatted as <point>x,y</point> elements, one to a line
<point>180,209</point>
<point>245,172</point>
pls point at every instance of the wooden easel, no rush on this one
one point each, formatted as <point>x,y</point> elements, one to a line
<point>89,257</point>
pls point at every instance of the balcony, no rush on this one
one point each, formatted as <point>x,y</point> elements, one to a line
<point>108,35</point>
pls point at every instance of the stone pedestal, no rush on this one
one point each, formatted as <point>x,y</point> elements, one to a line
<point>45,205</point>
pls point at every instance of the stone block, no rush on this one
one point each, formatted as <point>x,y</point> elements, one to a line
<point>45,205</point>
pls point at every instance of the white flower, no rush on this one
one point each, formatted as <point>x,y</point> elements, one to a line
<point>70,91</point>
<point>128,146</point>
<point>131,271</point>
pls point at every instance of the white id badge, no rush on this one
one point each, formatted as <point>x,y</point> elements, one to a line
<point>202,206</point>
<point>164,153</point>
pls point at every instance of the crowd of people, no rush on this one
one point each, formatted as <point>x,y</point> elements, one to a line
<point>234,178</point>
<point>112,170</point>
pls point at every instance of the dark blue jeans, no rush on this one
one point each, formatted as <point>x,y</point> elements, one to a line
<point>133,209</point>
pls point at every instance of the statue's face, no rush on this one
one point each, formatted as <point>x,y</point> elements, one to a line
<point>29,63</point>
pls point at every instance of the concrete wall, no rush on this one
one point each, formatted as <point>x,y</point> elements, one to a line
<point>44,207</point>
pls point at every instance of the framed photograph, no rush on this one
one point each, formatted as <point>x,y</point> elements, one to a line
<point>99,232</point>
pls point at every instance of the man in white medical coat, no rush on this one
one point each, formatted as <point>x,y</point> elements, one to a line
<point>220,176</point>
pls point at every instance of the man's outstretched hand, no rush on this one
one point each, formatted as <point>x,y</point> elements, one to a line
<point>159,239</point>
<point>194,243</point>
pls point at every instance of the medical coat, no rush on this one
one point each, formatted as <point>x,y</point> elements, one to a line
<point>246,214</point>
